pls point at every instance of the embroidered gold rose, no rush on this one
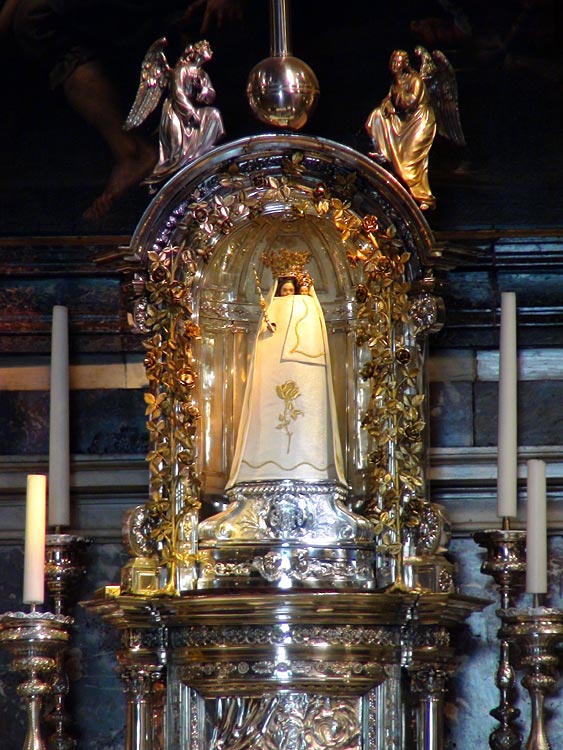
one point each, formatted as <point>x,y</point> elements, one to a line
<point>288,392</point>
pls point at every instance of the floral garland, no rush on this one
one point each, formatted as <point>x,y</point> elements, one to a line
<point>393,418</point>
<point>172,414</point>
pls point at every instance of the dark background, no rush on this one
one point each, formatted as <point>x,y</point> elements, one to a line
<point>510,76</point>
<point>500,194</point>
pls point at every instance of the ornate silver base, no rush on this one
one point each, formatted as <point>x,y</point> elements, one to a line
<point>287,534</point>
<point>285,669</point>
<point>287,567</point>
<point>537,633</point>
<point>35,640</point>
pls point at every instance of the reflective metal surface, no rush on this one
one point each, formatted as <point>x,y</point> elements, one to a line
<point>282,90</point>
<point>64,566</point>
<point>288,534</point>
<point>270,605</point>
<point>537,634</point>
<point>506,563</point>
<point>35,640</point>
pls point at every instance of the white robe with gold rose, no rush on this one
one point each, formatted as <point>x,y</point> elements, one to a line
<point>288,427</point>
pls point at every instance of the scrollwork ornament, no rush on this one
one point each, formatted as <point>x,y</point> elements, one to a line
<point>429,681</point>
<point>429,531</point>
<point>416,636</point>
<point>445,581</point>
<point>138,525</point>
<point>276,671</point>
<point>140,681</point>
<point>276,635</point>
<point>137,302</point>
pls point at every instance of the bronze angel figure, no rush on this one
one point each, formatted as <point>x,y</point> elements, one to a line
<point>421,101</point>
<point>188,125</point>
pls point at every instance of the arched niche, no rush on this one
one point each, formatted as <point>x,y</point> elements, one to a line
<point>212,222</point>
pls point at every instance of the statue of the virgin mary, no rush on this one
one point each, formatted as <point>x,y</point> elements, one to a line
<point>288,427</point>
<point>287,521</point>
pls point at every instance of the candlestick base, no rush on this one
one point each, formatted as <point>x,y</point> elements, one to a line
<point>35,639</point>
<point>506,563</point>
<point>537,634</point>
<point>63,568</point>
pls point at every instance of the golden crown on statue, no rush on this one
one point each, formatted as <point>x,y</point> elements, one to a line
<point>288,263</point>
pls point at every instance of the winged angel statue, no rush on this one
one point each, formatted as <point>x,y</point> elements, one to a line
<point>188,126</point>
<point>421,101</point>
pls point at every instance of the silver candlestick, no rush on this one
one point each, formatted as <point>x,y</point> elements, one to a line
<point>537,633</point>
<point>506,563</point>
<point>35,640</point>
<point>63,568</point>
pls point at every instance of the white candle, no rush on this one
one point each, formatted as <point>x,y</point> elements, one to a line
<point>34,559</point>
<point>507,461</point>
<point>536,529</point>
<point>59,451</point>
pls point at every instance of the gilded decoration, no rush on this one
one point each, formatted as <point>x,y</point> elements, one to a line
<point>266,623</point>
<point>394,418</point>
<point>172,414</point>
<point>288,392</point>
<point>386,330</point>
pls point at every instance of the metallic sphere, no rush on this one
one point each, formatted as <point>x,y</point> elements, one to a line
<point>282,91</point>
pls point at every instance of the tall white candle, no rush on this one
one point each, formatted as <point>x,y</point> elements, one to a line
<point>536,529</point>
<point>34,559</point>
<point>59,451</point>
<point>507,461</point>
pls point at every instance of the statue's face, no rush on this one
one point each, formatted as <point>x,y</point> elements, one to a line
<point>287,289</point>
<point>206,53</point>
<point>398,62</point>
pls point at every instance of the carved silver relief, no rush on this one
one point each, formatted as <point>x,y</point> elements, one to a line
<point>282,671</point>
<point>277,635</point>
<point>296,565</point>
<point>434,531</point>
<point>300,532</point>
<point>419,636</point>
<point>286,511</point>
<point>290,721</point>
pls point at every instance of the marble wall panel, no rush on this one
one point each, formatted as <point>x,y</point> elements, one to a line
<point>540,413</point>
<point>451,414</point>
<point>102,422</point>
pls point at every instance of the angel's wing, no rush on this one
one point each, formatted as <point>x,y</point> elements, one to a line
<point>152,82</point>
<point>439,76</point>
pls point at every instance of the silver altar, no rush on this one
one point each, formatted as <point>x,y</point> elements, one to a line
<point>289,630</point>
